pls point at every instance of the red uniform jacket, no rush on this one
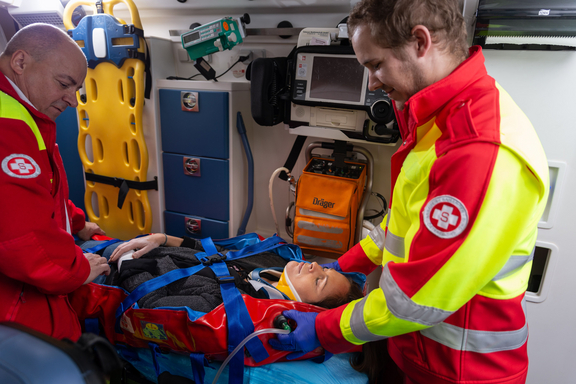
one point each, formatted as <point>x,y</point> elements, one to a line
<point>39,262</point>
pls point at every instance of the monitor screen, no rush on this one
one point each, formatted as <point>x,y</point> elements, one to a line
<point>191,37</point>
<point>336,78</point>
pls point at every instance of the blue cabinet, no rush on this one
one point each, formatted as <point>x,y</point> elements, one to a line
<point>195,131</point>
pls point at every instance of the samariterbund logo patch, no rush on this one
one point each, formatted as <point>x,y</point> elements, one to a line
<point>322,203</point>
<point>445,216</point>
<point>20,166</point>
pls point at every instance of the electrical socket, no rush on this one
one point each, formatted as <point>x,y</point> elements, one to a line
<point>252,54</point>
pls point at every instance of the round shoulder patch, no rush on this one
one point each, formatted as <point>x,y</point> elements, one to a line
<point>20,166</point>
<point>445,216</point>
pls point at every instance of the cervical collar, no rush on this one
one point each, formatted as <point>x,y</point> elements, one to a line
<point>285,286</point>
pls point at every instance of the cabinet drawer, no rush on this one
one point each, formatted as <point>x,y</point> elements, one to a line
<point>178,224</point>
<point>203,132</point>
<point>197,185</point>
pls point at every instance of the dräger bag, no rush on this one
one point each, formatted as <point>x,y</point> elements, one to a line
<point>200,335</point>
<point>327,202</point>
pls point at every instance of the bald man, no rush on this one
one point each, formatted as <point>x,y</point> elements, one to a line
<point>41,70</point>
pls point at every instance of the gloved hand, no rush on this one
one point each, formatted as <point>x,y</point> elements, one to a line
<point>333,265</point>
<point>300,341</point>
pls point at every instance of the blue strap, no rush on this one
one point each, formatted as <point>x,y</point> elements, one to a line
<point>152,285</point>
<point>236,332</point>
<point>155,353</point>
<point>100,246</point>
<point>260,247</point>
<point>239,321</point>
<point>198,362</point>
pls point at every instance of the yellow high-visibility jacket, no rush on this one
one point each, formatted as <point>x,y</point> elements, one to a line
<point>470,183</point>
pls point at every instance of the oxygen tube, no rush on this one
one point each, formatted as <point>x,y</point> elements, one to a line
<point>279,322</point>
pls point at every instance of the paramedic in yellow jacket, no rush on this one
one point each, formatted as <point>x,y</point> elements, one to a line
<point>470,183</point>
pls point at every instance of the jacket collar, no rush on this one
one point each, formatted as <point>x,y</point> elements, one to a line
<point>425,104</point>
<point>45,124</point>
<point>7,88</point>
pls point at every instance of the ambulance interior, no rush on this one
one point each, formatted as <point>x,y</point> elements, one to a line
<point>221,157</point>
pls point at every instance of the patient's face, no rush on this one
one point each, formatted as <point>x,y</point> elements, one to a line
<point>314,283</point>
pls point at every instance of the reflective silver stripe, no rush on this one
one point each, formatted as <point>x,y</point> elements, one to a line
<point>404,308</point>
<point>378,236</point>
<point>358,325</point>
<point>476,341</point>
<point>324,243</point>
<point>512,264</point>
<point>394,244</point>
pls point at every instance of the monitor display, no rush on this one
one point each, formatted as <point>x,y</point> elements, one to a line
<point>191,37</point>
<point>336,78</point>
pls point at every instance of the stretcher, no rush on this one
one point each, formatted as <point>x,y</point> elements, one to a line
<point>192,343</point>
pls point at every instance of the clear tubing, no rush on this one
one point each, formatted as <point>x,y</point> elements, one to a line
<point>270,183</point>
<point>246,339</point>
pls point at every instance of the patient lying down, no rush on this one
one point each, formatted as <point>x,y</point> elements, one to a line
<point>265,275</point>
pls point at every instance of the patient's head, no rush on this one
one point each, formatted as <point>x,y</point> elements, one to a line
<point>328,288</point>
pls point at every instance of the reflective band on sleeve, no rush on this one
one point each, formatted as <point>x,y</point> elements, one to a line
<point>358,325</point>
<point>378,237</point>
<point>404,308</point>
<point>394,244</point>
<point>462,339</point>
<point>512,264</point>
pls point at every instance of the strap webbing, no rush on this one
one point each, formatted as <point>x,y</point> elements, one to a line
<point>293,156</point>
<point>198,362</point>
<point>123,184</point>
<point>152,285</point>
<point>100,246</point>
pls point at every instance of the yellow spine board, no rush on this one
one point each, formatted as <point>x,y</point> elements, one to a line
<point>111,140</point>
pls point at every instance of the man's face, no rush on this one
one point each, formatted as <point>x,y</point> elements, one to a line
<point>397,75</point>
<point>51,84</point>
<point>314,283</point>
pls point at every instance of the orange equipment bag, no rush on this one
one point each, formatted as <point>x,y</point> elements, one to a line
<point>327,202</point>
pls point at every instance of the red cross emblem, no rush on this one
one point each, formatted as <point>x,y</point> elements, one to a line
<point>445,216</point>
<point>20,166</point>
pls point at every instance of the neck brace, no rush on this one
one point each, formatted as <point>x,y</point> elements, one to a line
<point>285,286</point>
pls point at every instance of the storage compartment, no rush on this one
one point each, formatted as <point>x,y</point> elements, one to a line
<point>178,224</point>
<point>197,185</point>
<point>195,122</point>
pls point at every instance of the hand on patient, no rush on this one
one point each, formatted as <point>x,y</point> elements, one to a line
<point>141,246</point>
<point>89,230</point>
<point>300,341</point>
<point>98,266</point>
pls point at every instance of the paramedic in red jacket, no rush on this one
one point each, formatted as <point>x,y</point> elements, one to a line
<point>469,185</point>
<point>42,68</point>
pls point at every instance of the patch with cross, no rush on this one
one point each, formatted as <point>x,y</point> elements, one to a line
<point>445,216</point>
<point>20,166</point>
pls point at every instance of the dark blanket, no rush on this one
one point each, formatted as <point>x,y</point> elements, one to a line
<point>199,292</point>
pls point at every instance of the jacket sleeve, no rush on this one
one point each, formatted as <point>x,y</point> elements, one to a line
<point>504,201</point>
<point>78,217</point>
<point>365,256</point>
<point>33,248</point>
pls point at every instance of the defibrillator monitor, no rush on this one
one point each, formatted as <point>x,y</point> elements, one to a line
<point>332,77</point>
